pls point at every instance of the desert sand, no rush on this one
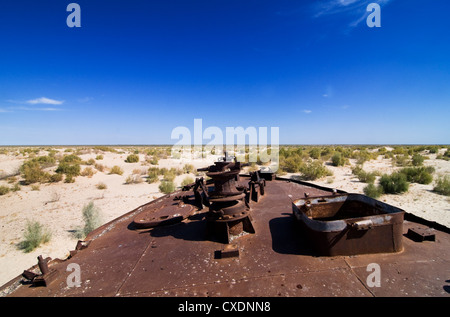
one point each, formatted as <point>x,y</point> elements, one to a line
<point>58,206</point>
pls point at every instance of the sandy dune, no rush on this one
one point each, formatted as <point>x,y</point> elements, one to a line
<point>58,206</point>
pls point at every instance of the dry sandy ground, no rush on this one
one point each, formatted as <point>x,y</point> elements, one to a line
<point>59,206</point>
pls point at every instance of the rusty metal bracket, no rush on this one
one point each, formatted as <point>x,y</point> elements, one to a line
<point>231,252</point>
<point>420,234</point>
<point>43,279</point>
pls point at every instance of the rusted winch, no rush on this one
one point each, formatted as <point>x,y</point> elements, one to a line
<point>229,210</point>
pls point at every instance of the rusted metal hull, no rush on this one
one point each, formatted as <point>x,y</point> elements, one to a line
<point>119,259</point>
<point>349,224</point>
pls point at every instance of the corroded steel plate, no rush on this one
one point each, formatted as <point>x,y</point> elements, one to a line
<point>163,216</point>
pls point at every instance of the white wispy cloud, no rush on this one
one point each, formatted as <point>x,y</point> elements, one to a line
<point>350,7</point>
<point>85,99</point>
<point>307,111</point>
<point>10,109</point>
<point>45,100</point>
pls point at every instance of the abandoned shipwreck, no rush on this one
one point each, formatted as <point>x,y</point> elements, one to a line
<point>251,235</point>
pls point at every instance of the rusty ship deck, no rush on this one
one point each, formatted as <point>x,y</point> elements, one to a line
<point>176,259</point>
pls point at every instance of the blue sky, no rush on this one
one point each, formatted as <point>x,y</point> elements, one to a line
<point>135,70</point>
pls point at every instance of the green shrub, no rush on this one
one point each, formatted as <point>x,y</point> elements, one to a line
<point>71,169</point>
<point>314,170</point>
<point>292,164</point>
<point>91,161</point>
<point>88,171</point>
<point>445,156</point>
<point>314,153</point>
<point>443,185</point>
<point>132,158</point>
<point>363,156</point>
<point>153,173</point>
<point>189,168</point>
<point>395,183</point>
<point>99,167</point>
<point>4,190</point>
<point>99,157</point>
<point>54,178</point>
<point>154,161</point>
<point>373,191</point>
<point>417,160</point>
<point>170,175</point>
<point>402,160</point>
<point>45,161</point>
<point>105,149</point>
<point>421,175</point>
<point>72,158</point>
<point>33,173</point>
<point>15,188</point>
<point>133,179</point>
<point>91,218</point>
<point>167,187</point>
<point>35,235</point>
<point>337,159</point>
<point>116,170</point>
<point>69,179</point>
<point>363,176</point>
<point>187,180</point>
<point>101,186</point>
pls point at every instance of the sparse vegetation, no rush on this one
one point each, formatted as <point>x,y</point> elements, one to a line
<point>101,186</point>
<point>116,170</point>
<point>15,188</point>
<point>420,175</point>
<point>395,183</point>
<point>70,165</point>
<point>167,187</point>
<point>99,167</point>
<point>314,153</point>
<point>337,159</point>
<point>91,218</point>
<point>401,160</point>
<point>314,170</point>
<point>34,236</point>
<point>4,190</point>
<point>363,176</point>
<point>133,179</point>
<point>153,173</point>
<point>417,160</point>
<point>442,185</point>
<point>132,158</point>
<point>91,161</point>
<point>373,191</point>
<point>189,168</point>
<point>32,172</point>
<point>187,180</point>
<point>88,171</point>
<point>291,164</point>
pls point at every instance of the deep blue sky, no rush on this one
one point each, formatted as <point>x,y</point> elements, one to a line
<point>135,70</point>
